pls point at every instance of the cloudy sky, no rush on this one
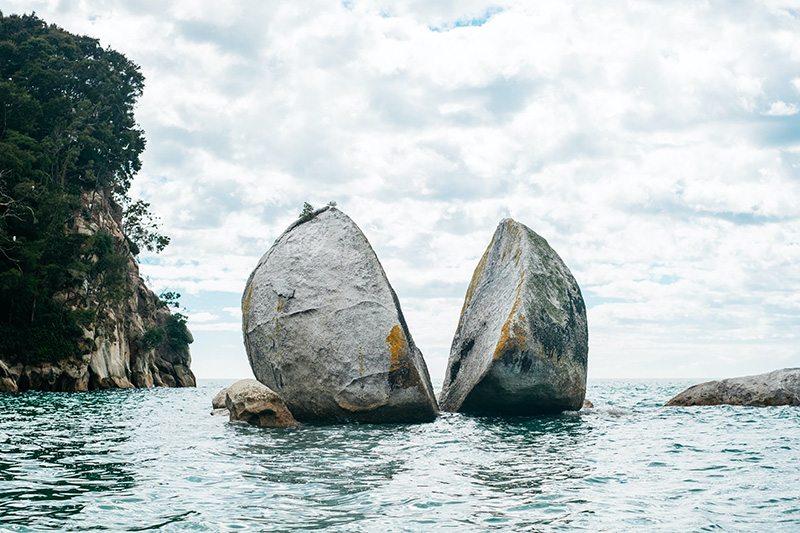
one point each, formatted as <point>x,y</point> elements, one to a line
<point>654,144</point>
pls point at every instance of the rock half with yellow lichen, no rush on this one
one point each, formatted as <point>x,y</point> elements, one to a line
<point>521,347</point>
<point>323,328</point>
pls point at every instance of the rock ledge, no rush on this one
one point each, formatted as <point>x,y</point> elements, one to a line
<point>779,387</point>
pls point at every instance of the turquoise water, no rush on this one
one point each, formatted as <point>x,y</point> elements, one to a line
<point>155,460</point>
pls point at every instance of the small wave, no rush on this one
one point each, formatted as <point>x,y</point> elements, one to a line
<point>604,411</point>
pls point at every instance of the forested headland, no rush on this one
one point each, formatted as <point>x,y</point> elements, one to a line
<point>69,150</point>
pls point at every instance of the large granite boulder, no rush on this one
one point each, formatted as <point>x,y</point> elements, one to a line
<point>780,387</point>
<point>521,346</point>
<point>323,328</point>
<point>249,401</point>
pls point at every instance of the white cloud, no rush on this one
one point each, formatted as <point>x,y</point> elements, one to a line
<point>633,139</point>
<point>217,326</point>
<point>202,316</point>
<point>781,109</point>
<point>235,312</point>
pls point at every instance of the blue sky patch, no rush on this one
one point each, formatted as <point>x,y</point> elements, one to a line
<point>465,22</point>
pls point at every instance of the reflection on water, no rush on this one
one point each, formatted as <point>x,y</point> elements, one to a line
<point>156,460</point>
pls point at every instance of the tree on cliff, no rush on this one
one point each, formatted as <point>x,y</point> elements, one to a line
<point>66,128</point>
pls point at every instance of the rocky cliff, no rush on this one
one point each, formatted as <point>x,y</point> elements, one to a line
<point>130,338</point>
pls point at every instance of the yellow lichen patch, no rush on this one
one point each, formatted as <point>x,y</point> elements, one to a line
<point>246,306</point>
<point>398,347</point>
<point>281,303</point>
<point>512,334</point>
<point>402,370</point>
<point>512,337</point>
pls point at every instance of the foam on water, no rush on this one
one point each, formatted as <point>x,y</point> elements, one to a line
<point>156,460</point>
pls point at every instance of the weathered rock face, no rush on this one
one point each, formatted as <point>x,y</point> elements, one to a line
<point>252,402</point>
<point>521,346</point>
<point>7,383</point>
<point>113,355</point>
<point>323,328</point>
<point>780,387</point>
<point>218,402</point>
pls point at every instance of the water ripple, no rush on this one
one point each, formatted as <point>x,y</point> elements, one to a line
<point>155,460</point>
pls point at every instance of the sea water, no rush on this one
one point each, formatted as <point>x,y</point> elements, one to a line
<point>138,460</point>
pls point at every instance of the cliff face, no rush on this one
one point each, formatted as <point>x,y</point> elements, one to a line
<point>131,341</point>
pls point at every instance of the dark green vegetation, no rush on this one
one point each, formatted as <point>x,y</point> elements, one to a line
<point>307,213</point>
<point>175,333</point>
<point>68,138</point>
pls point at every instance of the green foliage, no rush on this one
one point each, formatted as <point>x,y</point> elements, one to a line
<point>83,317</point>
<point>169,299</point>
<point>107,272</point>
<point>178,336</point>
<point>307,213</point>
<point>152,338</point>
<point>48,334</point>
<point>67,103</point>
<point>66,127</point>
<point>141,227</point>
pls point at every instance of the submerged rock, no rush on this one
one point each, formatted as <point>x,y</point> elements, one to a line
<point>521,346</point>
<point>252,402</point>
<point>780,387</point>
<point>323,328</point>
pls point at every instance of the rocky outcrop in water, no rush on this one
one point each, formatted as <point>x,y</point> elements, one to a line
<point>521,346</point>
<point>218,402</point>
<point>780,387</point>
<point>218,405</point>
<point>323,328</point>
<point>249,401</point>
<point>133,342</point>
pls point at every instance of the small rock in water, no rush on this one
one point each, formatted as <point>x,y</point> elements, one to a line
<point>780,387</point>
<point>587,404</point>
<point>252,402</point>
<point>218,407</point>
<point>219,400</point>
<point>324,329</point>
<point>521,346</point>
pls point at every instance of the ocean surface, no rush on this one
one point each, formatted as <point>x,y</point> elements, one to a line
<point>140,460</point>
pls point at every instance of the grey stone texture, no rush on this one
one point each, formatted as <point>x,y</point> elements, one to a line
<point>779,387</point>
<point>521,347</point>
<point>323,328</point>
<point>249,401</point>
